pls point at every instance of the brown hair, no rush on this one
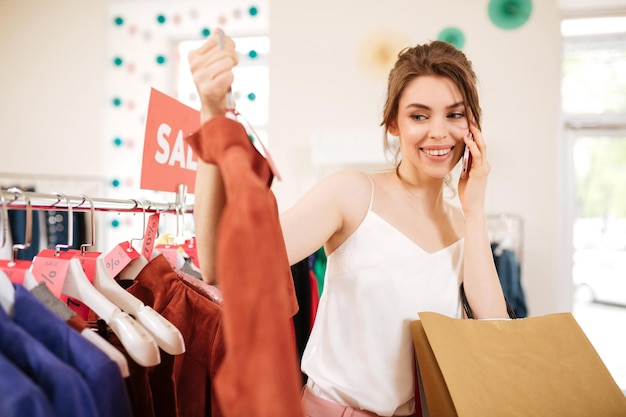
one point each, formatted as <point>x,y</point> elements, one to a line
<point>434,58</point>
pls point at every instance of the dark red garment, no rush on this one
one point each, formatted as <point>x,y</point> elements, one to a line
<point>315,299</point>
<point>260,374</point>
<point>182,385</point>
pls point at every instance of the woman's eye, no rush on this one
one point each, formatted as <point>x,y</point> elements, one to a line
<point>456,115</point>
<point>418,117</point>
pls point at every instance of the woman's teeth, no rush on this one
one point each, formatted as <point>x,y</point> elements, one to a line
<point>437,152</point>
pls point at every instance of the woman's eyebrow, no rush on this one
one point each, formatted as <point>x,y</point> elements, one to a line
<point>459,104</point>
<point>425,107</point>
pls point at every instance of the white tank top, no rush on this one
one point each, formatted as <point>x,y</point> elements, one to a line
<point>360,352</point>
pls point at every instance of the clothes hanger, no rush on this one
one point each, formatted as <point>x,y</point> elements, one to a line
<point>30,282</point>
<point>173,249</point>
<point>139,344</point>
<point>16,269</point>
<point>167,336</point>
<point>135,338</point>
<point>7,290</point>
<point>7,294</point>
<point>132,270</point>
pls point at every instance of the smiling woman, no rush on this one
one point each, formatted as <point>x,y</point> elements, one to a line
<point>395,246</point>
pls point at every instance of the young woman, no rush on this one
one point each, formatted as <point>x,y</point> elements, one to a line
<point>395,245</point>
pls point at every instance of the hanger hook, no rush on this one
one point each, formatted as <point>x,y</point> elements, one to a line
<point>143,235</point>
<point>70,224</point>
<point>92,223</point>
<point>181,202</point>
<point>29,221</point>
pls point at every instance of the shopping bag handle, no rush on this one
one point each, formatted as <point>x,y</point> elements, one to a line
<point>468,310</point>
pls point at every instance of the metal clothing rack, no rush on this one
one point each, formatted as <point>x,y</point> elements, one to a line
<point>16,199</point>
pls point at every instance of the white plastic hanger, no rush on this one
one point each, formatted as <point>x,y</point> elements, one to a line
<point>7,294</point>
<point>132,270</point>
<point>167,336</point>
<point>109,350</point>
<point>139,344</point>
<point>115,355</point>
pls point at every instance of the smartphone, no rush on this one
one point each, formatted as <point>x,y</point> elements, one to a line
<point>467,160</point>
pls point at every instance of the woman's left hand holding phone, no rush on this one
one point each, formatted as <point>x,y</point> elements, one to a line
<point>211,67</point>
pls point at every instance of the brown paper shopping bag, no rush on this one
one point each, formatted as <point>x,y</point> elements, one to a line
<point>541,366</point>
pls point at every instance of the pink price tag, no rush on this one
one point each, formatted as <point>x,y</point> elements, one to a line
<point>150,235</point>
<point>88,262</point>
<point>119,257</point>
<point>15,270</point>
<point>170,253</point>
<point>51,269</point>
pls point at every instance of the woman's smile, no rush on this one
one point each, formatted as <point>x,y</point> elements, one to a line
<point>437,153</point>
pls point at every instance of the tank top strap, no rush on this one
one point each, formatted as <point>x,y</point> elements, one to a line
<point>372,194</point>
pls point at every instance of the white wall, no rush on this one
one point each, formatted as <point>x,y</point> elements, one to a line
<point>52,69</point>
<point>51,86</point>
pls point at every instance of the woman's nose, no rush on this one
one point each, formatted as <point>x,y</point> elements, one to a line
<point>437,129</point>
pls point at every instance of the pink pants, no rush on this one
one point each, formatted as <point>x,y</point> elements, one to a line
<point>318,407</point>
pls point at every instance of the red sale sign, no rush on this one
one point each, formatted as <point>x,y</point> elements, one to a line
<point>167,160</point>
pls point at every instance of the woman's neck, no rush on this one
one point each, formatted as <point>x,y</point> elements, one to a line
<point>426,194</point>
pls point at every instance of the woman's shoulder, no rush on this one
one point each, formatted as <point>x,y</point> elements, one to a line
<point>353,180</point>
<point>350,191</point>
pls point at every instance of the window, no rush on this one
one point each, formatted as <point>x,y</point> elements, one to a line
<point>251,84</point>
<point>593,93</point>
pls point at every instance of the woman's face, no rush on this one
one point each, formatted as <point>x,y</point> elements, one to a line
<point>431,124</point>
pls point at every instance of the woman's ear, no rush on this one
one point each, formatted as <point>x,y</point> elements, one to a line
<point>393,129</point>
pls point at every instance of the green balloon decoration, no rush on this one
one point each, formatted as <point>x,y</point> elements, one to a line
<point>453,36</point>
<point>509,14</point>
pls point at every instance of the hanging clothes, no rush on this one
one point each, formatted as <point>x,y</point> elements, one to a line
<point>508,268</point>
<point>317,263</point>
<point>102,375</point>
<point>58,225</point>
<point>19,394</point>
<point>260,374</point>
<point>181,385</point>
<point>67,392</point>
<point>302,319</point>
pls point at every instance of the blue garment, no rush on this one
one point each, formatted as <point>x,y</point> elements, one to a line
<point>102,374</point>
<point>19,396</point>
<point>508,269</point>
<point>66,390</point>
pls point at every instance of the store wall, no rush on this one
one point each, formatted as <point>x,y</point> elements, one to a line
<point>51,85</point>
<point>323,80</point>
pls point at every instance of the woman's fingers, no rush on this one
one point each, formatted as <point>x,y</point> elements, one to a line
<point>211,68</point>
<point>478,149</point>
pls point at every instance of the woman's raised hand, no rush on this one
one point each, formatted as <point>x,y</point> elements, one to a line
<point>472,188</point>
<point>211,67</point>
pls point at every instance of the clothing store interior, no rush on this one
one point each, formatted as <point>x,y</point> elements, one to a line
<point>99,233</point>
